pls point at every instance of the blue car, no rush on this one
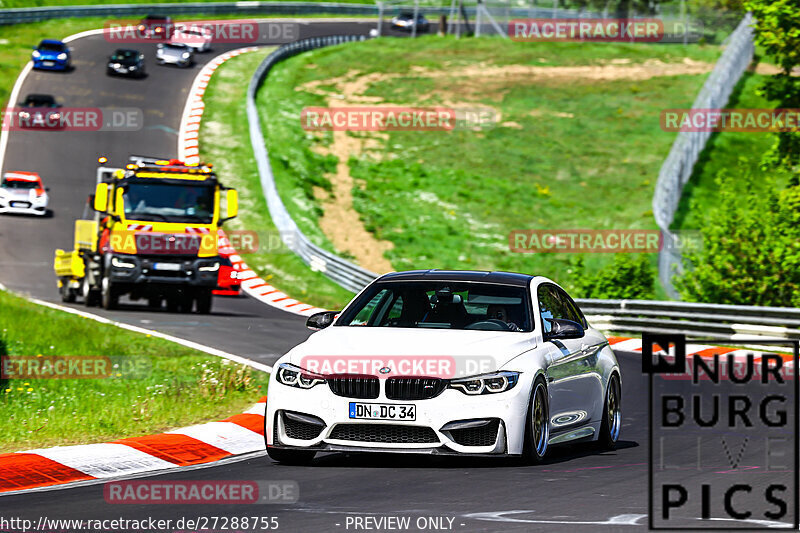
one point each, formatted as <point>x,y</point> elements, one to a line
<point>51,55</point>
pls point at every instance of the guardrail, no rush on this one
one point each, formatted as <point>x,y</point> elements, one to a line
<point>349,275</point>
<point>679,164</point>
<point>712,321</point>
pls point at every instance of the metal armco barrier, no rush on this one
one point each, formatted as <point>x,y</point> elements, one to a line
<point>349,275</point>
<point>713,321</point>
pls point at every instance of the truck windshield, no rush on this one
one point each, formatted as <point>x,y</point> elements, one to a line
<point>169,202</point>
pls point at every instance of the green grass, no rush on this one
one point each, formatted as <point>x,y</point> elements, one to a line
<point>225,140</point>
<point>179,386</point>
<point>450,199</point>
<point>731,152</point>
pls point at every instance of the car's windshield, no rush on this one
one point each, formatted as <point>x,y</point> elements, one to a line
<point>19,184</point>
<point>51,47</point>
<point>39,101</point>
<point>441,305</point>
<point>124,55</point>
<point>175,46</point>
<point>168,202</point>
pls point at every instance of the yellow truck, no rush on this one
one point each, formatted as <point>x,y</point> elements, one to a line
<point>153,236</point>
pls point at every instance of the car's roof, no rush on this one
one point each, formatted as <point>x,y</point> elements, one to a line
<point>19,175</point>
<point>502,278</point>
<point>125,51</point>
<point>51,41</point>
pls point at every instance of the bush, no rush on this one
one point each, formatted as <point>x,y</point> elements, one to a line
<point>751,247</point>
<point>628,276</point>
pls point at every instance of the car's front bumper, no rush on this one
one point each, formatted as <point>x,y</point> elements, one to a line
<point>20,208</point>
<point>430,433</point>
<point>51,64</point>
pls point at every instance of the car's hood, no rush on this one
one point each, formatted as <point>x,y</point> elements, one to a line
<point>49,54</point>
<point>345,341</point>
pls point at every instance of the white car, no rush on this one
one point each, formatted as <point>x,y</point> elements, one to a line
<point>198,39</point>
<point>23,193</point>
<point>446,362</point>
<point>174,54</point>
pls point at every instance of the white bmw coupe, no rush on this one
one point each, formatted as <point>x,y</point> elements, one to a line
<point>446,362</point>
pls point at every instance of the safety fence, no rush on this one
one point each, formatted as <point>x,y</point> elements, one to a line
<point>679,164</point>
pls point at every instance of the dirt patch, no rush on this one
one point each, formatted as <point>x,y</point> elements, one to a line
<point>457,86</point>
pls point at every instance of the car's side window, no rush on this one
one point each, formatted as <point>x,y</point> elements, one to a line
<point>571,311</point>
<point>550,306</point>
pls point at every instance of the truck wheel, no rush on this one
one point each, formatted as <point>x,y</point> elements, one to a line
<point>110,297</point>
<point>90,296</point>
<point>186,301</point>
<point>154,302</point>
<point>204,300</point>
<point>67,294</point>
<point>173,304</point>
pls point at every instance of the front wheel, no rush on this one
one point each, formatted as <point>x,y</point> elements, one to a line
<point>612,416</point>
<point>291,457</point>
<point>204,300</point>
<point>90,295</point>
<point>537,428</point>
<point>109,294</point>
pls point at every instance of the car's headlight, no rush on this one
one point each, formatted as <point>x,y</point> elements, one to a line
<point>121,263</point>
<point>294,376</point>
<point>36,54</point>
<point>209,268</point>
<point>185,55</point>
<point>62,56</point>
<point>132,67</point>
<point>486,383</point>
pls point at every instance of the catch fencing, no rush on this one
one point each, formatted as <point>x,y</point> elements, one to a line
<point>679,164</point>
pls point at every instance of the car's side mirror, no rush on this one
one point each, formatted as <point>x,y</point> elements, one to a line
<point>47,189</point>
<point>561,328</point>
<point>322,320</point>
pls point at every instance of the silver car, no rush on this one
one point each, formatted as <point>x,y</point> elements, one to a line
<point>174,54</point>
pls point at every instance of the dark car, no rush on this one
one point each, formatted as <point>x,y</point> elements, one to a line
<point>405,22</point>
<point>51,55</point>
<point>158,27</point>
<point>39,111</point>
<point>126,63</point>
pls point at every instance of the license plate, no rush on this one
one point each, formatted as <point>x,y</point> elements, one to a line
<point>383,411</point>
<point>167,266</point>
<point>20,204</point>
<point>48,63</point>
